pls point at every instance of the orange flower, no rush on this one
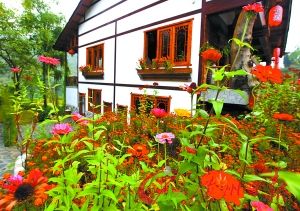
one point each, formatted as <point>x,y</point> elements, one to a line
<point>267,73</point>
<point>138,151</point>
<point>211,54</point>
<point>283,116</point>
<point>19,189</point>
<point>222,185</point>
<point>256,8</point>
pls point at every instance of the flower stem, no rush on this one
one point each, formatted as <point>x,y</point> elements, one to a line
<point>165,155</point>
<point>279,138</point>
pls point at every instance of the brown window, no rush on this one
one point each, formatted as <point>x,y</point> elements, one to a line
<point>107,107</point>
<point>94,101</point>
<point>95,57</point>
<point>147,102</point>
<point>171,42</point>
<point>81,103</point>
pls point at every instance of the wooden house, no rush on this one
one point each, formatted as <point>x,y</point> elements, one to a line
<point>111,37</point>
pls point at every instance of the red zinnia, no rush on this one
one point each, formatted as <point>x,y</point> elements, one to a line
<point>138,150</point>
<point>222,185</point>
<point>159,113</point>
<point>267,73</point>
<point>49,60</point>
<point>211,54</point>
<point>283,116</point>
<point>256,8</point>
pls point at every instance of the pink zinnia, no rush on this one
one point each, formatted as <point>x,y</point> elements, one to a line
<point>49,60</point>
<point>165,137</point>
<point>15,69</point>
<point>256,8</point>
<point>260,206</point>
<point>61,129</point>
<point>159,113</point>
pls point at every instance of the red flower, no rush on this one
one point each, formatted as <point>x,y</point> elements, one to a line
<point>159,113</point>
<point>260,167</point>
<point>283,116</point>
<point>267,73</point>
<point>251,188</point>
<point>138,150</point>
<point>61,129</point>
<point>78,118</point>
<point>222,185</point>
<point>191,150</point>
<point>211,55</point>
<point>256,8</point>
<point>189,88</point>
<point>15,69</point>
<point>49,60</point>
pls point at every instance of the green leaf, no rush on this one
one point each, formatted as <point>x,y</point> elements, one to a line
<point>202,113</point>
<point>236,73</point>
<point>242,154</point>
<point>218,106</point>
<point>109,194</point>
<point>252,177</point>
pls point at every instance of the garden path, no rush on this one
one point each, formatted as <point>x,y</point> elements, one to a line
<point>8,156</point>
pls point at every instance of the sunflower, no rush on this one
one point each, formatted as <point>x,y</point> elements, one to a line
<point>18,189</point>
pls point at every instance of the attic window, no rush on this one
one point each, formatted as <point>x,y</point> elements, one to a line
<point>171,42</point>
<point>95,57</point>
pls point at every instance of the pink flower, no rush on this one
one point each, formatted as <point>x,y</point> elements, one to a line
<point>49,60</point>
<point>260,206</point>
<point>165,137</point>
<point>15,69</point>
<point>77,117</point>
<point>256,8</point>
<point>159,113</point>
<point>61,129</point>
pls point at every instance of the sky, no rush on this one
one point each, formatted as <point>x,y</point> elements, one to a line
<point>67,7</point>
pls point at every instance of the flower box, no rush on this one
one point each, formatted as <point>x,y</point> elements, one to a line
<point>93,74</point>
<point>175,74</point>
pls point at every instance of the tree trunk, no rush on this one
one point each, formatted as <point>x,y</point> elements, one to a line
<point>240,59</point>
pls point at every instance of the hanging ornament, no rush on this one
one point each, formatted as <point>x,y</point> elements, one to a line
<point>71,51</point>
<point>275,16</point>
<point>276,54</point>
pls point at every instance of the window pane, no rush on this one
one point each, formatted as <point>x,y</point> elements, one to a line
<point>165,43</point>
<point>151,45</point>
<point>181,41</point>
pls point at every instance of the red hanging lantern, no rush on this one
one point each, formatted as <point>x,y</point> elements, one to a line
<point>276,54</point>
<point>71,51</point>
<point>275,16</point>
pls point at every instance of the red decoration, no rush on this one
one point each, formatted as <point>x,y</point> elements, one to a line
<point>276,54</point>
<point>275,16</point>
<point>71,52</point>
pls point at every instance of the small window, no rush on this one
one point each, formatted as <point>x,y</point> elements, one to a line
<point>171,42</point>
<point>147,102</point>
<point>81,103</point>
<point>95,57</point>
<point>94,102</point>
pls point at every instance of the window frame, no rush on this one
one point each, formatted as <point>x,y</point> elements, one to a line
<point>92,97</point>
<point>91,61</point>
<point>82,103</point>
<point>156,99</point>
<point>172,28</point>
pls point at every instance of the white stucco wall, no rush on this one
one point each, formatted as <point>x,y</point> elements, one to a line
<point>72,97</point>
<point>130,46</point>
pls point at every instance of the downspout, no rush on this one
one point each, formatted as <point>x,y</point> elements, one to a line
<point>115,68</point>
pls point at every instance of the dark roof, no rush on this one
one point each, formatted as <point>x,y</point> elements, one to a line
<point>71,28</point>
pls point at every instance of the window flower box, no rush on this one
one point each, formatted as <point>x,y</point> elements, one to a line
<point>93,74</point>
<point>174,74</point>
